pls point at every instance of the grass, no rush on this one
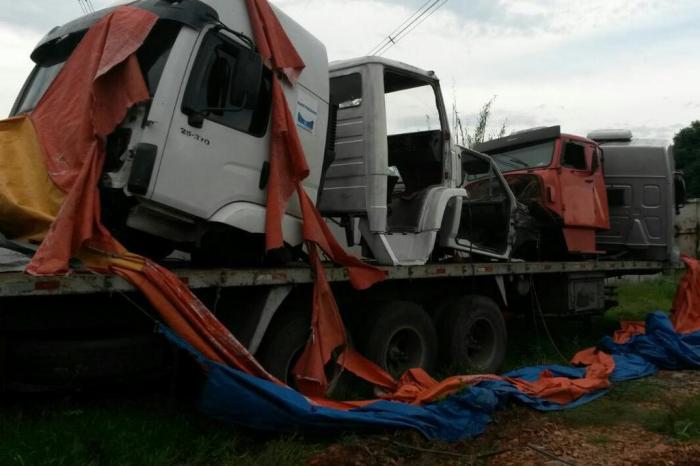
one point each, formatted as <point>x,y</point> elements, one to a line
<point>136,431</point>
<point>641,402</point>
<point>680,420</point>
<point>626,403</point>
<point>529,340</point>
<point>637,298</point>
<point>123,432</point>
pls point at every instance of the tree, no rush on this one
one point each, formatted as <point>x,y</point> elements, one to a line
<point>686,150</point>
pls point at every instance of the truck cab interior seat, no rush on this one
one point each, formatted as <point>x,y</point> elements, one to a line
<point>417,157</point>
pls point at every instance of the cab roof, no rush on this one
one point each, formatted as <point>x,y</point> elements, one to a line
<point>340,65</point>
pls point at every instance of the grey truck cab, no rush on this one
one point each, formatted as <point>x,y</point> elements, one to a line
<point>644,190</point>
<point>194,159</point>
<point>396,182</point>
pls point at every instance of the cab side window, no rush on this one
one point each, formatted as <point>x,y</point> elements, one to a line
<point>574,156</point>
<point>230,86</point>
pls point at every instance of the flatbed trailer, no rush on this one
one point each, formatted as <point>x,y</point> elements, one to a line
<point>88,327</point>
<point>16,283</point>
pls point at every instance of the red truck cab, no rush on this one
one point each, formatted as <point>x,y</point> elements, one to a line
<point>559,175</point>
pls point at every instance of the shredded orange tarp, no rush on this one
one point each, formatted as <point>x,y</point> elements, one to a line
<point>100,81</point>
<point>288,168</point>
<point>90,96</point>
<point>685,311</point>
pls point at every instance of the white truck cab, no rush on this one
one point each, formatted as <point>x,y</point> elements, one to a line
<point>196,156</point>
<point>396,176</point>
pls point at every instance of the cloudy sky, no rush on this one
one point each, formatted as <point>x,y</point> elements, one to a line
<point>582,64</point>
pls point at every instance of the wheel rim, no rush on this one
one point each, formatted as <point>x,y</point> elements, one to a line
<point>331,376</point>
<point>481,341</point>
<point>291,362</point>
<point>405,350</point>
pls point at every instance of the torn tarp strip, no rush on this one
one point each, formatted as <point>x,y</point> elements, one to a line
<point>237,398</point>
<point>240,399</point>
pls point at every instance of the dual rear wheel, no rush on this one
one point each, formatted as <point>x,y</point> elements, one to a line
<point>469,335</point>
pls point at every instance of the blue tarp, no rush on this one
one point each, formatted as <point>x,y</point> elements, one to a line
<point>237,398</point>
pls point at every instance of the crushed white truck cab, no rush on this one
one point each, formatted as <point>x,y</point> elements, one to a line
<point>195,157</point>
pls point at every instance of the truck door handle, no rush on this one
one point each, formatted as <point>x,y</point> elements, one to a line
<point>589,181</point>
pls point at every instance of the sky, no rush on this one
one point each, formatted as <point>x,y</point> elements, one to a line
<point>581,64</point>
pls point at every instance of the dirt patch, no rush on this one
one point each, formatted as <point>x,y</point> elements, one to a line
<point>649,425</point>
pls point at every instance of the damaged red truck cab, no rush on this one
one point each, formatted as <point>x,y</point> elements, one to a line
<point>560,178</point>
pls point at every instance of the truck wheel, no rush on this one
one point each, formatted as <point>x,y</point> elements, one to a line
<point>473,334</point>
<point>283,343</point>
<point>401,337</point>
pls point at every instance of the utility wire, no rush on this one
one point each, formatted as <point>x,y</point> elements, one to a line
<point>415,25</point>
<point>389,38</point>
<point>87,6</point>
<point>424,12</point>
<point>82,7</point>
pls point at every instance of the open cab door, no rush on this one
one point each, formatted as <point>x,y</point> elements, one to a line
<point>483,222</point>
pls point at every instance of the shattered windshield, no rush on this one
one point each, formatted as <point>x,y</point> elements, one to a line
<point>152,57</point>
<point>535,156</point>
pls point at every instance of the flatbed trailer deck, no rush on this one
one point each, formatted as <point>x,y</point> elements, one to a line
<point>16,283</point>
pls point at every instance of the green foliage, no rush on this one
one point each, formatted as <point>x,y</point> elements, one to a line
<point>686,150</point>
<point>464,137</point>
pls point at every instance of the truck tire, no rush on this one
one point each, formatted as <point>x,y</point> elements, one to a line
<point>283,343</point>
<point>473,334</point>
<point>401,336</point>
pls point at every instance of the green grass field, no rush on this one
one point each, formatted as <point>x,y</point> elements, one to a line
<point>155,430</point>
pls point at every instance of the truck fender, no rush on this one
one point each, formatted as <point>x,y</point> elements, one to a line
<point>436,205</point>
<point>250,217</point>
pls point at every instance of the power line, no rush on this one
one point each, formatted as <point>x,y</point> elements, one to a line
<point>412,25</point>
<point>86,6</point>
<point>389,37</point>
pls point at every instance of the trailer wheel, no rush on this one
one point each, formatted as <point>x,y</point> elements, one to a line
<point>401,337</point>
<point>283,343</point>
<point>473,334</point>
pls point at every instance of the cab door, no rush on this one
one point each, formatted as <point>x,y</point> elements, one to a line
<point>218,143</point>
<point>584,198</point>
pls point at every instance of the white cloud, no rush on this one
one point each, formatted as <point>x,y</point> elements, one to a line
<point>598,63</point>
<point>16,44</point>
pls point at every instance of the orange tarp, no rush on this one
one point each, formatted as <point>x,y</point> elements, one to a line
<point>89,98</point>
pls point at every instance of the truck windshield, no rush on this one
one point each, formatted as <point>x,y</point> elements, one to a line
<point>411,110</point>
<point>152,57</point>
<point>535,156</point>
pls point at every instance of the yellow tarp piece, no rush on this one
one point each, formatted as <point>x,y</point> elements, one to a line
<point>29,200</point>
